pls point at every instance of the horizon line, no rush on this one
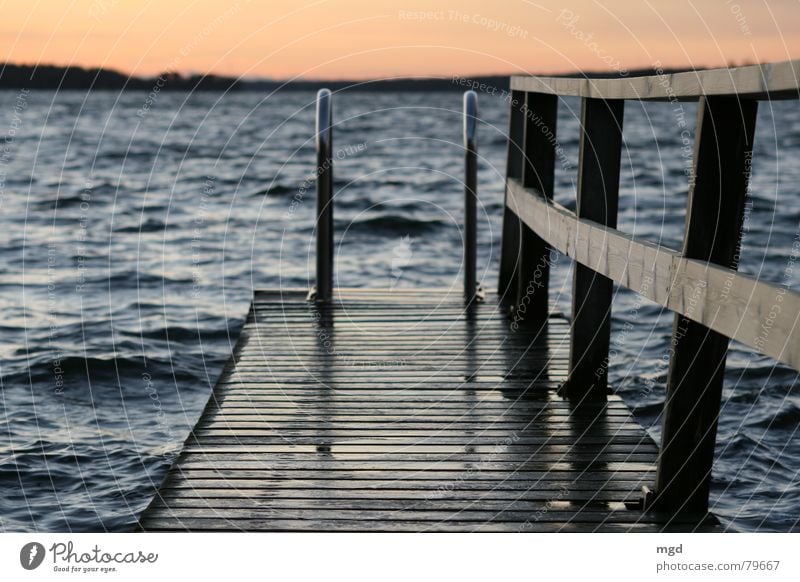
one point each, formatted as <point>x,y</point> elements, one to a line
<point>400,77</point>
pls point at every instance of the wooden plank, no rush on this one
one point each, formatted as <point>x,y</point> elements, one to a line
<point>465,441</point>
<point>411,396</point>
<point>297,525</point>
<point>300,463</point>
<point>322,433</point>
<point>765,81</point>
<point>386,413</point>
<point>262,382</point>
<point>598,196</point>
<point>210,496</point>
<point>618,487</point>
<point>531,476</point>
<point>394,515</point>
<point>591,510</point>
<point>432,382</point>
<point>510,245</point>
<point>423,449</point>
<point>271,411</point>
<point>531,306</point>
<point>723,150</point>
<point>721,299</point>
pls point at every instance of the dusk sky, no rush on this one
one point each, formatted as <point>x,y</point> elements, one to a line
<point>384,38</point>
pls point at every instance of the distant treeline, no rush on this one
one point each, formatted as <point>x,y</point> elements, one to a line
<point>55,77</point>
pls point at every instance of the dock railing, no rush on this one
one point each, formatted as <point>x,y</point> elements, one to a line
<point>711,301</point>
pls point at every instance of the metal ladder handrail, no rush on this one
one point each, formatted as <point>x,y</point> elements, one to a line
<point>472,289</point>
<point>323,291</point>
<point>324,288</point>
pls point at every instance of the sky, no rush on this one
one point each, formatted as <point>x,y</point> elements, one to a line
<point>364,39</point>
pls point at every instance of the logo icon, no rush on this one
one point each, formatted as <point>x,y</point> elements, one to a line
<point>31,555</point>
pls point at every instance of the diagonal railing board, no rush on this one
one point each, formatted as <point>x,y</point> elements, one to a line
<point>747,310</point>
<point>765,81</point>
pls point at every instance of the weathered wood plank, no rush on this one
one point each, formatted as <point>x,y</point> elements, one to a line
<point>531,305</point>
<point>616,488</point>
<point>287,496</point>
<point>722,154</point>
<point>591,510</point>
<point>408,440</point>
<point>530,480</point>
<point>513,451</point>
<point>765,81</point>
<point>325,435</point>
<point>451,525</point>
<point>223,463</point>
<point>510,245</point>
<point>598,200</point>
<point>733,304</point>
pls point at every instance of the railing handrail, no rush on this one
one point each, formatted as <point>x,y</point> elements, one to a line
<point>711,301</point>
<point>324,143</point>
<point>471,287</point>
<point>722,299</point>
<point>764,81</point>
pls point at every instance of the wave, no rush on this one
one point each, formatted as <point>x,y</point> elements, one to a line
<point>149,225</point>
<point>393,224</point>
<point>80,374</point>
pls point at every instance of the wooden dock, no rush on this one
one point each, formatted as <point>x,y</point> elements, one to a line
<point>437,410</point>
<point>404,411</point>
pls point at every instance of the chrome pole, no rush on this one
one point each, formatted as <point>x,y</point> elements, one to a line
<point>471,291</point>
<point>324,289</point>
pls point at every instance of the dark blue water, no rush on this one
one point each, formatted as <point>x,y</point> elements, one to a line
<point>132,243</point>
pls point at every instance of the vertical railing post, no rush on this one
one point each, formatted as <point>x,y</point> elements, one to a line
<point>470,196</point>
<point>509,248</point>
<point>324,287</point>
<point>538,171</point>
<point>714,216</point>
<point>598,195</point>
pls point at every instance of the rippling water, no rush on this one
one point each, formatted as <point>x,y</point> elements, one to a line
<point>132,243</point>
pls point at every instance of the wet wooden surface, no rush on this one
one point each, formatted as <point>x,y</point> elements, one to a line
<point>399,411</point>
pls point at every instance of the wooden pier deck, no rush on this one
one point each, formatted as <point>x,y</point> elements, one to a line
<point>425,410</point>
<point>405,411</point>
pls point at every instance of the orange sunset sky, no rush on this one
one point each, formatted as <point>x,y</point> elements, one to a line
<point>359,39</point>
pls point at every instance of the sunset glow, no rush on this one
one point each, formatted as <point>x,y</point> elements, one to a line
<point>384,38</point>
